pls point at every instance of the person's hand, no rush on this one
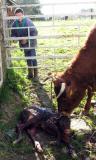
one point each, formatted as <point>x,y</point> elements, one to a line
<point>23,41</point>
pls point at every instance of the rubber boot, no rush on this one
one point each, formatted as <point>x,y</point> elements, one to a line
<point>30,73</point>
<point>35,72</point>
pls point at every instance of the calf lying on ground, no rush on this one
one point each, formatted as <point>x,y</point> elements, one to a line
<point>33,118</point>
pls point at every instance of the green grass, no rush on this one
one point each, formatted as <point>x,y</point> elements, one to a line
<point>18,92</point>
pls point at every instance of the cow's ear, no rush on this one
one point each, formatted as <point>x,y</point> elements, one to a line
<point>68,83</point>
<point>58,81</point>
<point>69,88</point>
<point>69,91</point>
<point>50,76</point>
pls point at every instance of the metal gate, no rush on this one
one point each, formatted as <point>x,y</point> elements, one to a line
<point>53,45</point>
<point>1,72</point>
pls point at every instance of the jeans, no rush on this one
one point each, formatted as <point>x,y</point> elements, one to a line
<point>30,52</point>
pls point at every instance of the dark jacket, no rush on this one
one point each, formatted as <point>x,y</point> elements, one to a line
<point>23,32</point>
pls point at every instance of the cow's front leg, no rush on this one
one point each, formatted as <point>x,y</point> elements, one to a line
<point>88,102</point>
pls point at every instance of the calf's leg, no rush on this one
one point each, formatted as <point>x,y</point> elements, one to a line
<point>31,135</point>
<point>19,131</point>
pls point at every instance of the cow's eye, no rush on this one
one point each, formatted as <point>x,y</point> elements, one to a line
<point>68,83</point>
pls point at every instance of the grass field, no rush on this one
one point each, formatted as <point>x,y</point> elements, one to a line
<point>18,92</point>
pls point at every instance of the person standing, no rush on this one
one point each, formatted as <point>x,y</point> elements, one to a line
<point>28,44</point>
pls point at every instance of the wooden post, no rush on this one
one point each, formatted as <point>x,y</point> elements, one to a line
<point>2,47</point>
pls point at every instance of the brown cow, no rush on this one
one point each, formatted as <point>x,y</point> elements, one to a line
<point>70,86</point>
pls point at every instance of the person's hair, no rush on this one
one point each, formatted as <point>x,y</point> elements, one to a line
<point>18,10</point>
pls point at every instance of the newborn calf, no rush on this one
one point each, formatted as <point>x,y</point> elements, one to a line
<point>34,118</point>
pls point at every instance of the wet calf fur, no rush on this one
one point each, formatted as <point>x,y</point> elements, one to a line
<point>34,118</point>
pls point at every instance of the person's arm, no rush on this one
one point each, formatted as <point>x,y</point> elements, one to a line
<point>33,31</point>
<point>13,31</point>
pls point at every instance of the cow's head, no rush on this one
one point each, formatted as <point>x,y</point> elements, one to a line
<point>68,93</point>
<point>67,90</point>
<point>63,85</point>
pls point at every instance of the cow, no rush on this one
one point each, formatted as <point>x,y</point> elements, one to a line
<point>80,77</point>
<point>34,118</point>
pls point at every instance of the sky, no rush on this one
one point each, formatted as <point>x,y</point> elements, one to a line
<point>65,9</point>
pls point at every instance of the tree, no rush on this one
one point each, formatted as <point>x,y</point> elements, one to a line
<point>31,10</point>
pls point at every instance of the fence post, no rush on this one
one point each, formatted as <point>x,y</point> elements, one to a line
<point>2,49</point>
